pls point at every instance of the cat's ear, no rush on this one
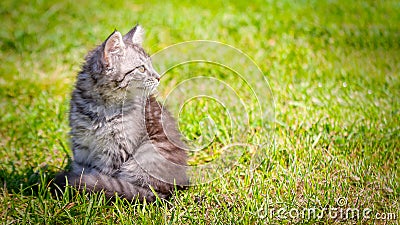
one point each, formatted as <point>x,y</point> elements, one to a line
<point>135,35</point>
<point>114,45</point>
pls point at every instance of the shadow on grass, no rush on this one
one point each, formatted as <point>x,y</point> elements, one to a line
<point>26,181</point>
<point>39,184</point>
<point>29,181</point>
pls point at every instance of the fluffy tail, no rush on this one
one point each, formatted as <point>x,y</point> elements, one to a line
<point>111,186</point>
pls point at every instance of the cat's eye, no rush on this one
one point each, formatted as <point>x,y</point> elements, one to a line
<point>141,69</point>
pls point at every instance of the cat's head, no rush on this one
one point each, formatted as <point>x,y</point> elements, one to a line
<point>120,64</point>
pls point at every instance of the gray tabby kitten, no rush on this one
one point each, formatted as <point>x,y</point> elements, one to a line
<point>124,142</point>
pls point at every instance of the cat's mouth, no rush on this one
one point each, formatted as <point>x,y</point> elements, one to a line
<point>128,83</point>
<point>152,83</point>
<point>146,86</point>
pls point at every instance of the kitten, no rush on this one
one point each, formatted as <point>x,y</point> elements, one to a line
<point>124,142</point>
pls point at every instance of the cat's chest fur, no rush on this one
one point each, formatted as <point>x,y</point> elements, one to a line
<point>109,138</point>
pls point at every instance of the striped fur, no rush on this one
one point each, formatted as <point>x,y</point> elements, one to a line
<point>124,142</point>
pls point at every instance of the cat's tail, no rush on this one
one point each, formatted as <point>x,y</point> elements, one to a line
<point>111,186</point>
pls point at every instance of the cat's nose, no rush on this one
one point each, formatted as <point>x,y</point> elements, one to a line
<point>157,76</point>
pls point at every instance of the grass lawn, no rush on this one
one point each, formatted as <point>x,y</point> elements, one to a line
<point>333,69</point>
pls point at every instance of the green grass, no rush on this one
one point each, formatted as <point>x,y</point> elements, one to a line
<point>333,69</point>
